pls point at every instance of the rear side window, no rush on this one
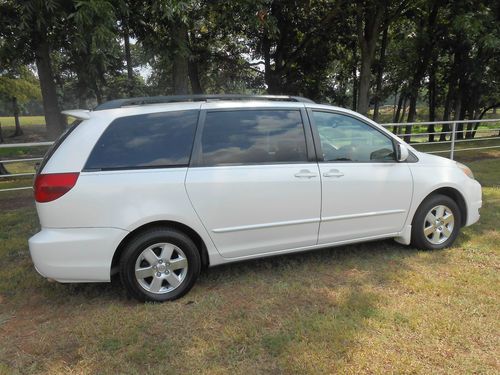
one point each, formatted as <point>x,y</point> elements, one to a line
<point>252,137</point>
<point>153,140</point>
<point>53,148</point>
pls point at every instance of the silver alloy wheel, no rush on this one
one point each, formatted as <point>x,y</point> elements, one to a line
<point>438,224</point>
<point>161,268</point>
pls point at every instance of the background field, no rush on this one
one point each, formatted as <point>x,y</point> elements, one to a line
<point>377,307</point>
<point>8,121</point>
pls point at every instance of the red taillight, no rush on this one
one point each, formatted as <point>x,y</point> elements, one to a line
<point>49,187</point>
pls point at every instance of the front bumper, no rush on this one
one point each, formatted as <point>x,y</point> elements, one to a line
<point>474,202</point>
<point>75,254</point>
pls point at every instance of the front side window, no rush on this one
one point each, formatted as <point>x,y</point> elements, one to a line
<point>344,138</point>
<point>252,137</point>
<point>146,141</point>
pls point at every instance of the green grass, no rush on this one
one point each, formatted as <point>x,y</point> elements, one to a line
<point>8,121</point>
<point>23,167</point>
<point>377,307</point>
<point>386,114</point>
<point>465,156</point>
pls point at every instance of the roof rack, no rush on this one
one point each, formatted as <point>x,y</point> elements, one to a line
<point>118,103</point>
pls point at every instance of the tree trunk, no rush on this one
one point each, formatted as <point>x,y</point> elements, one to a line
<point>194,77</point>
<point>97,91</point>
<point>403,114</point>
<point>180,76</point>
<point>412,111</point>
<point>53,117</point>
<point>3,171</point>
<point>446,114</point>
<point>364,84</point>
<point>426,40</point>
<point>354,87</point>
<point>2,168</point>
<point>483,112</point>
<point>457,116</point>
<point>394,105</point>
<point>396,112</point>
<point>368,31</point>
<point>470,125</point>
<point>128,58</point>
<point>271,74</point>
<point>380,71</point>
<point>432,97</point>
<point>15,108</point>
<point>398,109</point>
<point>400,115</point>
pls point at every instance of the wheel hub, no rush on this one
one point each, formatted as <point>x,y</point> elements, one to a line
<point>161,268</point>
<point>438,224</point>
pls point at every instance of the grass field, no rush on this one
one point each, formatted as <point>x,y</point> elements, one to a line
<point>8,121</point>
<point>377,307</point>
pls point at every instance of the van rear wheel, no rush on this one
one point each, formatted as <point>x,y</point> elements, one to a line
<point>436,223</point>
<point>160,264</point>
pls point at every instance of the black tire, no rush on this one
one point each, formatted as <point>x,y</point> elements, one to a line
<point>418,238</point>
<point>150,237</point>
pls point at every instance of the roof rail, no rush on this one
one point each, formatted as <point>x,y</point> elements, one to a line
<point>118,103</point>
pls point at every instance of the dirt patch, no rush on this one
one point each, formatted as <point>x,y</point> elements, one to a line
<point>479,156</point>
<point>32,133</point>
<point>13,203</point>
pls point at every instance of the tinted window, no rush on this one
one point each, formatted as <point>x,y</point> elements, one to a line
<point>253,137</point>
<point>344,138</point>
<point>152,140</point>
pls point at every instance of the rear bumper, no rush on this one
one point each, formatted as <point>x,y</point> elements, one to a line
<point>75,254</point>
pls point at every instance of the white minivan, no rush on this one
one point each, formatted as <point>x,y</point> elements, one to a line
<point>156,189</point>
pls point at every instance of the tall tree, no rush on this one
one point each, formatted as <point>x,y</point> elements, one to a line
<point>26,36</point>
<point>425,41</point>
<point>369,17</point>
<point>18,88</point>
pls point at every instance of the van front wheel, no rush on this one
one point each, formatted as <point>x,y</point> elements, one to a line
<point>436,223</point>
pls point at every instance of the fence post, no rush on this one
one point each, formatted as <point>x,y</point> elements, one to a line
<point>452,151</point>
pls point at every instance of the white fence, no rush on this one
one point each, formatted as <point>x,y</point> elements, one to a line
<point>485,129</point>
<point>489,130</point>
<point>20,160</point>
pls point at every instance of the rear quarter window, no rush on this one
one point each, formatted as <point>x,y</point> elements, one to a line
<point>53,148</point>
<point>152,140</point>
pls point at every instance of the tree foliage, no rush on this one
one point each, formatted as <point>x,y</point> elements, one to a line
<point>443,54</point>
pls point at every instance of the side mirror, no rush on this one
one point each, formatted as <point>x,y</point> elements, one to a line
<point>402,152</point>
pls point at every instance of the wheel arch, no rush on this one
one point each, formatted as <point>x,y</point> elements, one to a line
<point>456,196</point>
<point>191,233</point>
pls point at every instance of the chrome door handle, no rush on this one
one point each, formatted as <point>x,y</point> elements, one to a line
<point>304,173</point>
<point>333,173</point>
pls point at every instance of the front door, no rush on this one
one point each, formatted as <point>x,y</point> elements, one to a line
<point>366,192</point>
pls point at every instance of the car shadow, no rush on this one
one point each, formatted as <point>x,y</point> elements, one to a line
<point>380,258</point>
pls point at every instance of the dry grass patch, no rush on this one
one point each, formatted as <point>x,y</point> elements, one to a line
<point>371,308</point>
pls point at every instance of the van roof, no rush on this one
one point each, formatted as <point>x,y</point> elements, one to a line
<point>139,101</point>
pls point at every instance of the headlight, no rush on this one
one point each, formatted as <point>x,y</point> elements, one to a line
<point>465,169</point>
